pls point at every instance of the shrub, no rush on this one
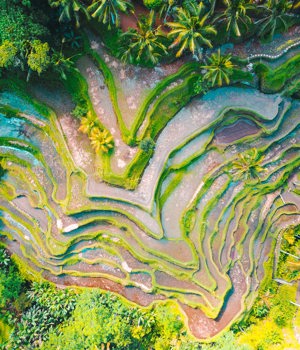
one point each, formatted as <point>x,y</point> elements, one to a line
<point>147,145</point>
<point>4,259</point>
<point>49,307</point>
<point>79,111</point>
<point>189,221</point>
<point>274,80</point>
<point>11,285</point>
<point>103,320</point>
<point>260,68</point>
<point>11,282</point>
<point>261,311</point>
<point>200,86</point>
<point>226,342</point>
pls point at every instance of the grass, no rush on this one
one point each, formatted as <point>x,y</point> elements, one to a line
<point>168,105</point>
<point>274,80</point>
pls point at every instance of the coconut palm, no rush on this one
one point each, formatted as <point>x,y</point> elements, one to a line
<point>248,165</point>
<point>235,16</point>
<point>107,11</point>
<point>101,140</point>
<point>190,30</point>
<point>70,9</point>
<point>87,124</point>
<point>276,16</point>
<point>219,69</point>
<point>144,42</point>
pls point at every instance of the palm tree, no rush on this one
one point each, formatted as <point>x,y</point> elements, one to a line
<point>276,15</point>
<point>190,30</point>
<point>70,9</point>
<point>248,165</point>
<point>87,124</point>
<point>107,11</point>
<point>101,140</point>
<point>166,8</point>
<point>235,16</point>
<point>219,69</point>
<point>144,42</point>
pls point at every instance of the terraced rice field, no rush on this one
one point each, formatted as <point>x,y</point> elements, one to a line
<point>188,229</point>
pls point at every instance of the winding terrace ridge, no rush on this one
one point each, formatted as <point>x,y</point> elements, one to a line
<point>188,229</point>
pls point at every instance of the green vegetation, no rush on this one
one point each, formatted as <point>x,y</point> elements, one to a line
<point>227,342</point>
<point>276,15</point>
<point>288,267</point>
<point>274,80</point>
<point>107,11</point>
<point>236,17</point>
<point>190,30</point>
<point>153,4</point>
<point>219,69</point>
<point>101,140</point>
<point>276,320</point>
<point>70,10</point>
<point>144,44</point>
<point>247,166</point>
<point>104,320</point>
<point>147,145</point>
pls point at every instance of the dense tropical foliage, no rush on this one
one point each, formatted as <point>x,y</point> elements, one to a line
<point>31,43</point>
<point>145,43</point>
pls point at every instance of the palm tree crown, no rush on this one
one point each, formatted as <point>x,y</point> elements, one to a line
<point>276,15</point>
<point>144,42</point>
<point>190,29</point>
<point>219,69</point>
<point>101,140</point>
<point>87,124</point>
<point>235,16</point>
<point>248,165</point>
<point>107,11</point>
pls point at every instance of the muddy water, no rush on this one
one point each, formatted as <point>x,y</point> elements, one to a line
<point>203,327</point>
<point>236,131</point>
<point>131,293</point>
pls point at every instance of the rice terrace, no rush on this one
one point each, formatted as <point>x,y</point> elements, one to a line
<point>149,174</point>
